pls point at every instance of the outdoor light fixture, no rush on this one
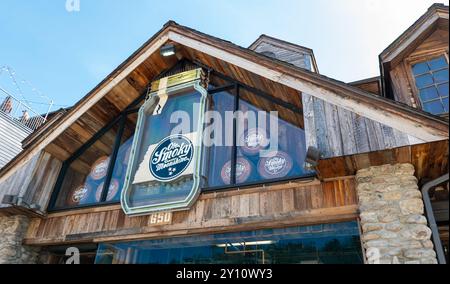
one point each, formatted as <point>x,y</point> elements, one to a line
<point>168,50</point>
<point>10,200</point>
<point>312,157</point>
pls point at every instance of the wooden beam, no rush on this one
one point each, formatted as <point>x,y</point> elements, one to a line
<point>311,217</point>
<point>393,53</point>
<point>80,109</point>
<point>352,100</point>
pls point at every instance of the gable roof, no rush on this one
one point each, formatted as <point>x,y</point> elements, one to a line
<point>241,63</point>
<point>285,45</point>
<point>436,16</point>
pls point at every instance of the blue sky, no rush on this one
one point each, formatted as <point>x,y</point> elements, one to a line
<point>65,54</point>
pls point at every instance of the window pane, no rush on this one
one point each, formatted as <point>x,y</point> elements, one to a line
<point>429,94</point>
<point>441,76</point>
<point>253,135</point>
<point>443,90</point>
<point>263,156</point>
<point>253,139</point>
<point>438,63</point>
<point>420,68</point>
<point>433,86</point>
<point>86,175</point>
<point>434,107</point>
<point>424,81</point>
<point>320,244</point>
<point>121,164</point>
<point>219,154</point>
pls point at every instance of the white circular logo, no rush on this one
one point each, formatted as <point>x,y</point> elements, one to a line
<point>171,157</point>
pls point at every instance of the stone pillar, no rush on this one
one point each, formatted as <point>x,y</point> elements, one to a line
<point>12,232</point>
<point>394,227</point>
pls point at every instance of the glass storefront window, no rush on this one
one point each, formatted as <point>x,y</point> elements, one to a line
<point>282,157</point>
<point>122,160</point>
<point>322,244</point>
<point>259,158</point>
<point>85,177</point>
<point>222,164</point>
<point>219,155</point>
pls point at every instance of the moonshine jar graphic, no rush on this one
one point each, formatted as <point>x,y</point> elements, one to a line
<point>164,170</point>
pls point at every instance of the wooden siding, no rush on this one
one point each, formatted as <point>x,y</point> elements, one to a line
<point>403,84</point>
<point>282,81</point>
<point>12,133</point>
<point>289,204</point>
<point>334,130</point>
<point>17,183</point>
<point>299,59</point>
<point>338,132</point>
<point>402,81</point>
<point>34,181</point>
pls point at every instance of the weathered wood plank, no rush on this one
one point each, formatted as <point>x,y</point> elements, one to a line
<point>321,128</point>
<point>231,211</point>
<point>333,129</point>
<point>361,136</point>
<point>347,132</point>
<point>310,126</point>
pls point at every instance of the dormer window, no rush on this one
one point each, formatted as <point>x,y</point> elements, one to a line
<point>431,79</point>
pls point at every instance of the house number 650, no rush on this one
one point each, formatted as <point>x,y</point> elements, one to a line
<point>161,218</point>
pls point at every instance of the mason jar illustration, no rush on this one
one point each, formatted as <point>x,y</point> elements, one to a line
<point>164,171</point>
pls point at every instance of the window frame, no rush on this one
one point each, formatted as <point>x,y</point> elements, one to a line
<point>411,77</point>
<point>237,86</point>
<point>121,119</point>
<point>231,84</point>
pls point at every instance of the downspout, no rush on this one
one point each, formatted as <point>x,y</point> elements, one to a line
<point>430,216</point>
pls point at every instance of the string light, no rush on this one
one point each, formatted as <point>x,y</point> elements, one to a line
<point>22,87</point>
<point>25,82</point>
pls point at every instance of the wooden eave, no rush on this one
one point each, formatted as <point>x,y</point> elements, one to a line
<point>281,79</point>
<point>435,18</point>
<point>430,161</point>
<point>366,81</point>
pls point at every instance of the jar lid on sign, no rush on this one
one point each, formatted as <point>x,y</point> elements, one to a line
<point>277,164</point>
<point>253,141</point>
<point>79,195</point>
<point>112,191</point>
<point>100,168</point>
<point>244,169</point>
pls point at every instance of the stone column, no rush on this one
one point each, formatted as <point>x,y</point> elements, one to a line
<point>12,232</point>
<point>394,227</point>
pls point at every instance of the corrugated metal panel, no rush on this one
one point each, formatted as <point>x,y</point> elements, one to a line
<point>12,133</point>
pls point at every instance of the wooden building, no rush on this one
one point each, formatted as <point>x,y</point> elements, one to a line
<point>343,184</point>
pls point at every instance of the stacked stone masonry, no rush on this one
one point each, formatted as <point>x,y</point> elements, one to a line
<point>12,232</point>
<point>394,227</point>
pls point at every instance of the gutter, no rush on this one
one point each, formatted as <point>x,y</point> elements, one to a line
<point>430,216</point>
